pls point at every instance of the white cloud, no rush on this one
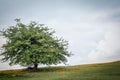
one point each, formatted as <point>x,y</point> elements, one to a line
<point>108,49</point>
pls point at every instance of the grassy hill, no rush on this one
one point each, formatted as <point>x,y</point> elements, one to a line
<point>105,71</point>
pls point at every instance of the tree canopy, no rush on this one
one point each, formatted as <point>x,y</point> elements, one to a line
<point>33,44</point>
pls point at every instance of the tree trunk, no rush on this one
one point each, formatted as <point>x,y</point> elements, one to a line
<point>35,66</point>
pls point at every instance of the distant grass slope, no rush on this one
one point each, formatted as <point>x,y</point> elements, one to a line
<point>106,71</point>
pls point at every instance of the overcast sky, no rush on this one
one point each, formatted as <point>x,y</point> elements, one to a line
<point>92,27</point>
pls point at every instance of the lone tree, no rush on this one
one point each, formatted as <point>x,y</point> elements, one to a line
<point>33,44</point>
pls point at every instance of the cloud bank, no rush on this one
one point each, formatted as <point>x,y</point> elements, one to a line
<point>109,48</point>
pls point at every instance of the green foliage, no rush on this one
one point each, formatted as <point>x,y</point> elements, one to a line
<point>33,44</point>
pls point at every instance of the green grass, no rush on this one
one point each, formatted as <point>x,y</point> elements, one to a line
<point>106,71</point>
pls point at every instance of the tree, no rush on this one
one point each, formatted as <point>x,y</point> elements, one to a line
<point>33,44</point>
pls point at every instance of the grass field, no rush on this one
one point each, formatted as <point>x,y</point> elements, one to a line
<point>106,71</point>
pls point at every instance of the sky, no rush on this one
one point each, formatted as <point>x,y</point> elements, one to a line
<point>90,26</point>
